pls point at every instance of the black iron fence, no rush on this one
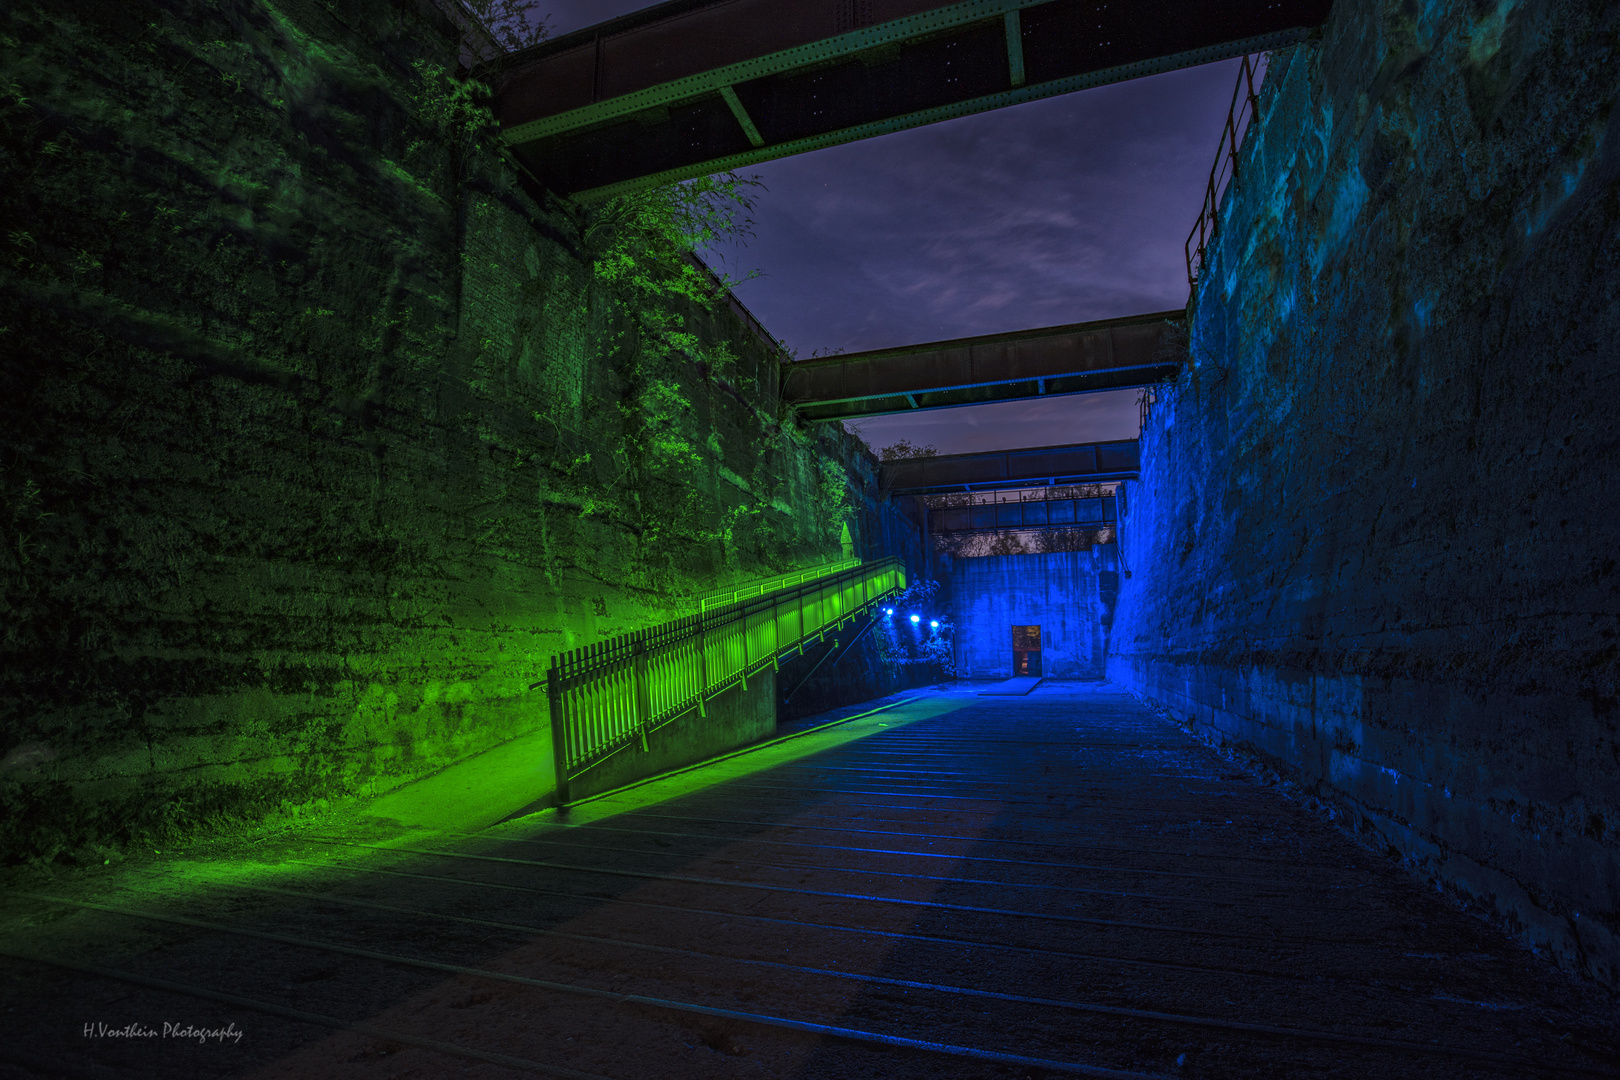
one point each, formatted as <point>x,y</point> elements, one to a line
<point>608,697</point>
<point>1245,101</point>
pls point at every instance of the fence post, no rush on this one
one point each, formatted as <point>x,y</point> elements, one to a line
<point>703,670</point>
<point>559,731</point>
<point>643,693</point>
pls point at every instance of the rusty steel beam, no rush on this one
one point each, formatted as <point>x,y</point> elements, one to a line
<point>694,87</point>
<point>1079,358</point>
<point>1084,463</point>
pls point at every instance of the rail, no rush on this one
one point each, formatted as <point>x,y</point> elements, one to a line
<point>1245,102</point>
<point>612,695</point>
<point>760,588</point>
<point>1024,515</point>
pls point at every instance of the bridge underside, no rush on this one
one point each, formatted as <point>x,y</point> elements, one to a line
<point>694,87</point>
<point>1078,358</point>
<point>1085,463</point>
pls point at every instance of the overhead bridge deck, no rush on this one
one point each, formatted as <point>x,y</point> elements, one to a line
<point>1076,358</point>
<point>957,887</point>
<point>695,87</point>
<point>1036,466</point>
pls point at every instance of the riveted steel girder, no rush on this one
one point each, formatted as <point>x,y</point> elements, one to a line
<point>1077,358</point>
<point>693,87</point>
<point>1082,463</point>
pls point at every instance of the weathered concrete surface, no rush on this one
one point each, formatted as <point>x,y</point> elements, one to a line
<point>1065,593</point>
<point>1019,687</point>
<point>1375,537</point>
<point>312,425</point>
<point>1063,884</point>
<point>475,792</point>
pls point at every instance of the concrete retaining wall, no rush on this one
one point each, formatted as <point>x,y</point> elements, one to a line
<point>1069,595</point>
<point>317,431</point>
<point>1375,536</point>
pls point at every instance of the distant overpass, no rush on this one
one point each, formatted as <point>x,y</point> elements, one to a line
<point>1083,463</point>
<point>694,87</point>
<point>1078,358</point>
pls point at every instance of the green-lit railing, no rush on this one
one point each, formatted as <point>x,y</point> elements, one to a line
<point>769,585</point>
<point>617,693</point>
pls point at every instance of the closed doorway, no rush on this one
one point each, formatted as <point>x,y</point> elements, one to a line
<point>1026,643</point>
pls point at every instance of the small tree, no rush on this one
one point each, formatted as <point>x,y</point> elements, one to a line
<point>513,24</point>
<point>903,449</point>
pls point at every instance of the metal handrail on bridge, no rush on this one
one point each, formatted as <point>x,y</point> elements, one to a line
<point>781,581</point>
<point>611,695</point>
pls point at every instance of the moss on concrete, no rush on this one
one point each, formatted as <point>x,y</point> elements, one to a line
<point>310,418</point>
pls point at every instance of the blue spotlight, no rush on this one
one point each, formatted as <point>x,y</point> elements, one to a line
<point>934,623</point>
<point>916,619</point>
<point>888,611</point>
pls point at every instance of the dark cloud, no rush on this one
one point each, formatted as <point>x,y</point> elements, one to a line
<point>1063,210</point>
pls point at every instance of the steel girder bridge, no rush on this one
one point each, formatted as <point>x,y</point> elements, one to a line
<point>694,87</point>
<point>690,88</point>
<point>998,470</point>
<point>1110,354</point>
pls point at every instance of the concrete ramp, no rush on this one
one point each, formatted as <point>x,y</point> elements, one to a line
<point>476,792</point>
<point>1016,687</point>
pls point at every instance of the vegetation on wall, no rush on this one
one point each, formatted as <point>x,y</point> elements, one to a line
<point>631,447</point>
<point>651,456</point>
<point>514,24</point>
<point>294,501</point>
<point>903,449</point>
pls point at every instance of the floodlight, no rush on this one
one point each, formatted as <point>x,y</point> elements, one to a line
<point>916,618</point>
<point>934,623</point>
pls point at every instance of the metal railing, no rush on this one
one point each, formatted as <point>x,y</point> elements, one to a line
<point>760,588</point>
<point>1245,103</point>
<point>615,694</point>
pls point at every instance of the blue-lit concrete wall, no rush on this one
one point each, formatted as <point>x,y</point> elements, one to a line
<point>1376,535</point>
<point>1067,594</point>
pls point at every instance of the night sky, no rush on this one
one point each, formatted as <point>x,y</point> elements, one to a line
<point>1056,211</point>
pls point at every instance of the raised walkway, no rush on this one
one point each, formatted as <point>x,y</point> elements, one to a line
<point>959,886</point>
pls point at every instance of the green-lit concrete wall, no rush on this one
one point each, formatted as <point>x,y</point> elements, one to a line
<point>301,449</point>
<point>738,717</point>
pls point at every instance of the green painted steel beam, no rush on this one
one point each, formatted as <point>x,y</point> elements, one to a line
<point>1017,96</point>
<point>737,110</point>
<point>722,78</point>
<point>689,88</point>
<point>1015,48</point>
